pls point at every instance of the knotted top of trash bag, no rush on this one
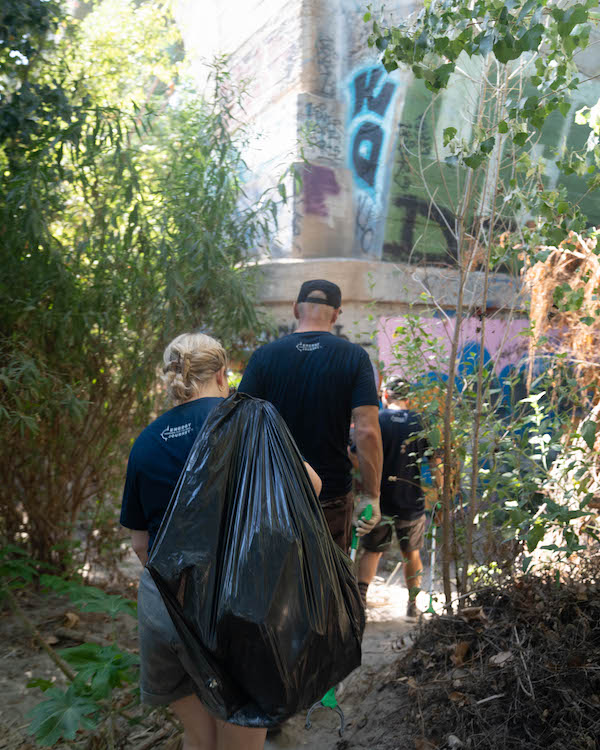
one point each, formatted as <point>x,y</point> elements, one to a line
<point>264,601</point>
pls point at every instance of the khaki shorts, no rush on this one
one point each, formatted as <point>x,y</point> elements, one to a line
<point>411,535</point>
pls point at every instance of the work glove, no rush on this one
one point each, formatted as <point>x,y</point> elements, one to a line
<point>362,525</point>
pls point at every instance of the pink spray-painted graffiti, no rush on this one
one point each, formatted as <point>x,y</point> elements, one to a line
<point>318,182</point>
<point>505,346</point>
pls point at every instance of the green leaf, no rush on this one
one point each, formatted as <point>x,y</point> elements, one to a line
<point>102,667</point>
<point>474,160</point>
<point>502,127</point>
<point>486,42</point>
<point>61,715</point>
<point>487,145</point>
<point>367,17</point>
<point>535,536</point>
<point>531,39</point>
<point>505,49</point>
<point>89,598</point>
<point>449,134</point>
<point>41,683</point>
<point>520,139</point>
<point>442,75</point>
<point>575,15</point>
<point>588,433</point>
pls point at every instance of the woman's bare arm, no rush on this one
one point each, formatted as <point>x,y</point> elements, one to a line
<point>314,478</point>
<point>139,542</point>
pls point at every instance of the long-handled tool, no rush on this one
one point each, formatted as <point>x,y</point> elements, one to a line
<point>366,515</point>
<point>328,701</point>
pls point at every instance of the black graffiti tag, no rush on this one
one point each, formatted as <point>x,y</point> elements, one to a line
<point>366,148</point>
<point>364,93</point>
<point>442,217</point>
<point>365,221</point>
<point>368,139</point>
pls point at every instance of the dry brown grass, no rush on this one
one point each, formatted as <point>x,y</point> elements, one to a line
<point>574,263</point>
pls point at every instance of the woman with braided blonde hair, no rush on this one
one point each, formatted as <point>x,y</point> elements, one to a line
<point>195,376</point>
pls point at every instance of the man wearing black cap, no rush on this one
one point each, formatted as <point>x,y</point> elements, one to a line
<point>320,383</point>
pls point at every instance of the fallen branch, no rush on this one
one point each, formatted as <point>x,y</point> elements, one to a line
<point>37,636</point>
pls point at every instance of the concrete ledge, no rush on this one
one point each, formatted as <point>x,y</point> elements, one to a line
<point>390,285</point>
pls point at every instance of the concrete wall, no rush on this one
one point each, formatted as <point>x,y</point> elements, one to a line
<point>314,88</point>
<point>362,217</point>
<point>373,291</point>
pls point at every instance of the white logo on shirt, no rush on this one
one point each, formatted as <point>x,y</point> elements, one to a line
<point>175,432</point>
<point>308,347</point>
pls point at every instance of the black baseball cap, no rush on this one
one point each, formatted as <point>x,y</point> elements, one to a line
<point>398,387</point>
<point>332,292</point>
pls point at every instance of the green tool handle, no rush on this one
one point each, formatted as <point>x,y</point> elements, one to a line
<point>366,515</point>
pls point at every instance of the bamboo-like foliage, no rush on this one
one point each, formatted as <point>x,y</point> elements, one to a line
<point>120,227</point>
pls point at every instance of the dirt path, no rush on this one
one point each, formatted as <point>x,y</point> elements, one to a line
<point>386,625</point>
<point>21,660</point>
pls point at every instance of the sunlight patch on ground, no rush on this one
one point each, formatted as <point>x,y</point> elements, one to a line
<point>388,602</point>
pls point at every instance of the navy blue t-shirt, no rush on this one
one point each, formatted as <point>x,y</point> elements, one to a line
<point>156,460</point>
<point>402,496</point>
<point>315,379</point>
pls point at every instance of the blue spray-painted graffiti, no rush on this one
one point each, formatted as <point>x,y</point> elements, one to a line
<point>371,94</point>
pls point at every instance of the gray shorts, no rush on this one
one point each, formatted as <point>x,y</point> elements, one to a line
<point>164,676</point>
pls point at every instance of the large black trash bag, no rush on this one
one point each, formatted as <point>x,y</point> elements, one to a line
<point>265,602</point>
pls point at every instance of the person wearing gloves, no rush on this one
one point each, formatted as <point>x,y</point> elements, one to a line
<point>196,381</point>
<point>402,498</point>
<point>320,383</point>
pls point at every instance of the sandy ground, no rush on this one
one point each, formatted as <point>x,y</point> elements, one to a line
<point>21,660</point>
<point>387,631</point>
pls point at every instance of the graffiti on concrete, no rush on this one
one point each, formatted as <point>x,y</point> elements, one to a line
<point>366,149</point>
<point>505,347</point>
<point>371,98</point>
<point>365,223</point>
<point>444,219</point>
<point>366,96</point>
<point>371,94</point>
<point>325,57</point>
<point>318,183</point>
<point>325,130</point>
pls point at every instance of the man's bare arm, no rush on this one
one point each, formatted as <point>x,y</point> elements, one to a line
<point>369,450</point>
